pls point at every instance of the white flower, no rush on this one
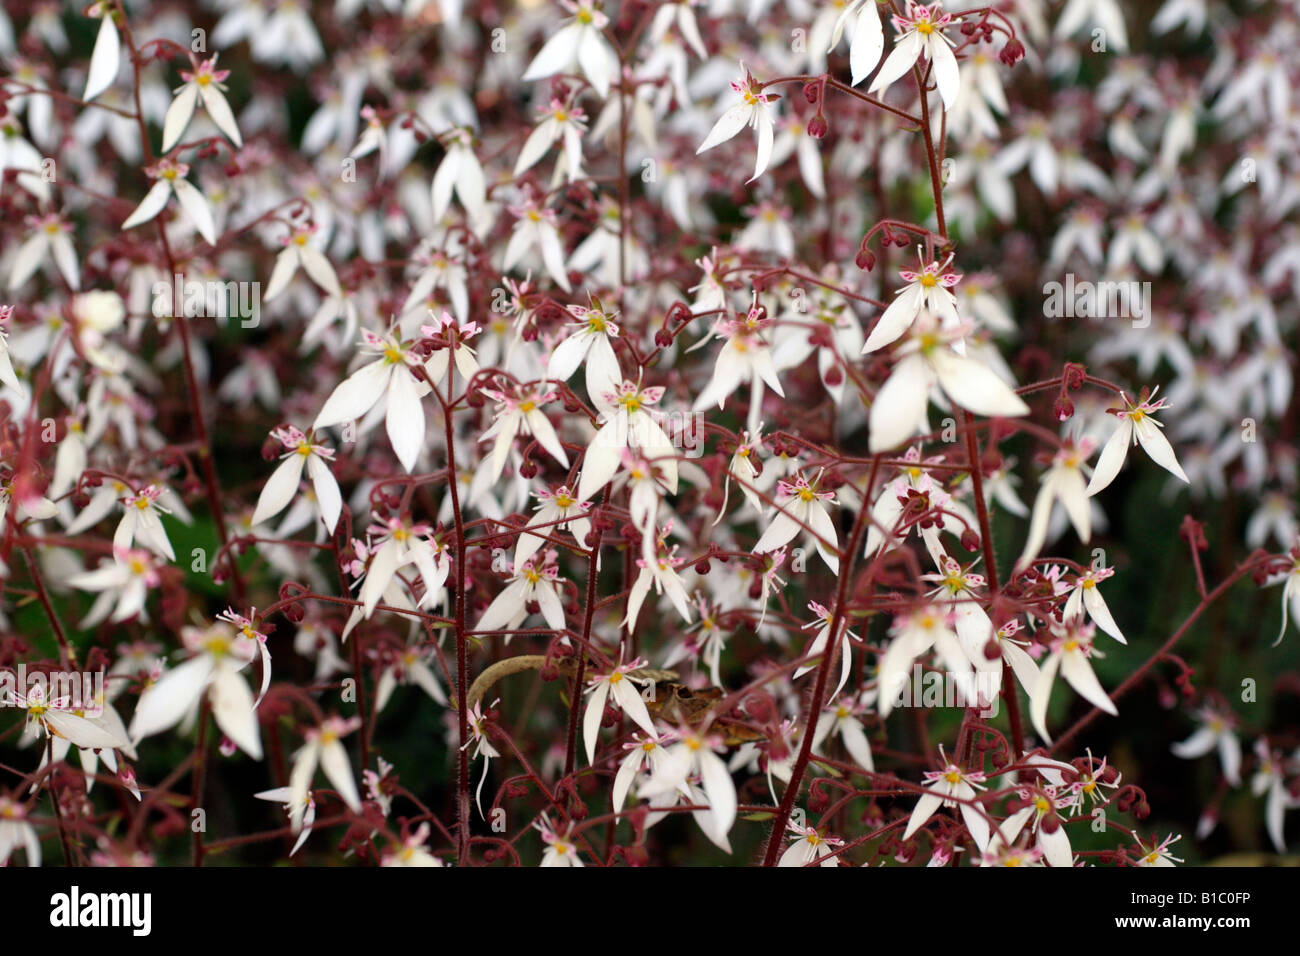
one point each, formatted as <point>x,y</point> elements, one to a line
<point>559,511</point>
<point>81,723</point>
<point>123,583</point>
<point>928,358</point>
<point>563,122</point>
<point>1159,854</point>
<point>1270,779</point>
<point>810,845</point>
<point>413,852</point>
<point>1087,597</point>
<point>521,413</point>
<point>741,468</point>
<point>16,832</point>
<point>205,84</point>
<point>627,423</point>
<point>7,376</point>
<point>560,850</point>
<point>323,747</point>
<point>398,544</point>
<point>219,653</point>
<point>299,252</point>
<point>411,666</point>
<point>693,755</point>
<point>752,110</point>
<point>660,571</point>
<point>1290,592</point>
<point>578,43</point>
<point>1136,426</point>
<point>844,720</point>
<point>915,634</point>
<point>617,685</point>
<point>169,180</point>
<point>50,243</point>
<point>305,812</point>
<point>946,788</point>
<point>1063,482</point>
<point>819,645</point>
<point>921,35</point>
<point>1215,731</point>
<point>1052,841</point>
<point>590,345</point>
<point>107,55</point>
<point>482,747</point>
<point>1070,649</point>
<point>461,172</point>
<point>925,290</point>
<point>283,483</point>
<point>446,331</point>
<point>534,580</point>
<point>643,754</point>
<point>536,228</point>
<point>801,508</point>
<point>746,356</point>
<point>388,378</point>
<point>868,37</point>
<point>140,521</point>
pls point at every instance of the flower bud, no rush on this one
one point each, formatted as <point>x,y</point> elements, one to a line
<point>1013,52</point>
<point>818,127</point>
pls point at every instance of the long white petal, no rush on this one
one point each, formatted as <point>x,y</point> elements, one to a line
<point>219,110</point>
<point>235,713</point>
<point>405,418</point>
<point>178,115</point>
<point>728,125</point>
<point>946,75</point>
<point>900,404</point>
<point>334,761</point>
<point>1155,444</point>
<point>974,386</point>
<point>327,491</point>
<point>719,788</point>
<point>165,702</point>
<point>355,395</point>
<point>898,62</point>
<point>196,208</point>
<point>868,42</point>
<point>1041,695</point>
<point>591,719</point>
<point>279,489</point>
<point>1112,457</point>
<point>150,206</point>
<point>1076,669</point>
<point>104,60</point>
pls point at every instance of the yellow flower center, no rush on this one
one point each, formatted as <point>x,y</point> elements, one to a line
<point>952,776</point>
<point>929,281</point>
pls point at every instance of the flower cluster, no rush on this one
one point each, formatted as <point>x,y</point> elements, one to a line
<point>453,377</point>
